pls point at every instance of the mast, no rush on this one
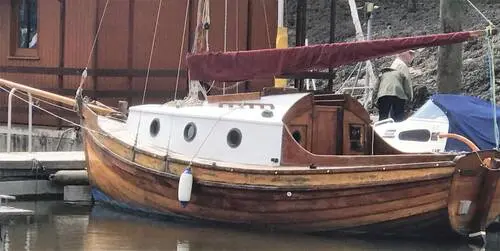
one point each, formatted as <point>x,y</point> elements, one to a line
<point>202,27</point>
<point>200,44</point>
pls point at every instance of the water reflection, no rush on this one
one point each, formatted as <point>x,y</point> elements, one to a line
<point>57,226</point>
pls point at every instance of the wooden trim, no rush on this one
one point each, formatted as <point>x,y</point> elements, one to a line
<point>340,135</point>
<point>23,57</point>
<point>234,97</point>
<point>91,72</point>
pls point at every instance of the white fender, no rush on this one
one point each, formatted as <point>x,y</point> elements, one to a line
<point>185,187</point>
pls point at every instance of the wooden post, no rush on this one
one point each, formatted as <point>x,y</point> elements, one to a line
<point>62,38</point>
<point>449,77</point>
<point>333,10</point>
<point>300,32</point>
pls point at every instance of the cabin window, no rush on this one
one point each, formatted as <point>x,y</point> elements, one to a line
<point>189,132</point>
<point>24,28</point>
<point>297,136</point>
<point>234,138</point>
<point>154,128</point>
<point>415,135</point>
<point>355,137</point>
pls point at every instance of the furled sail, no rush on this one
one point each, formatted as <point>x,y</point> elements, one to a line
<point>269,63</point>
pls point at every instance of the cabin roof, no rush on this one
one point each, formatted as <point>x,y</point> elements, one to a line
<point>256,111</point>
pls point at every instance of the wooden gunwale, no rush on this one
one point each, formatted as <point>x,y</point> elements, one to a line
<point>435,162</point>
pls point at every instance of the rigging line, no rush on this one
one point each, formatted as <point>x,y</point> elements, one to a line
<point>492,86</point>
<point>210,132</point>
<point>237,25</point>
<point>225,25</point>
<point>237,32</point>
<point>47,102</point>
<point>152,50</point>
<point>169,137</point>
<point>225,40</point>
<point>181,52</point>
<point>267,23</point>
<point>55,115</point>
<point>227,88</point>
<point>94,43</point>
<point>480,13</point>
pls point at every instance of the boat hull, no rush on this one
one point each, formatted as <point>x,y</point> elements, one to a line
<point>128,185</point>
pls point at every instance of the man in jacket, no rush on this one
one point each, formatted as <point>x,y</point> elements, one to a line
<point>394,88</point>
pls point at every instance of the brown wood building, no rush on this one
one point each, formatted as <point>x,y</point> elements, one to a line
<point>47,44</point>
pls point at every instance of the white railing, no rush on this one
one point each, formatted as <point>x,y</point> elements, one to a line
<point>9,120</point>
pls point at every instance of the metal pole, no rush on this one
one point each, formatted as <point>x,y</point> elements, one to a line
<point>369,12</point>
<point>281,13</point>
<point>300,33</point>
<point>333,10</point>
<point>30,121</point>
<point>9,118</point>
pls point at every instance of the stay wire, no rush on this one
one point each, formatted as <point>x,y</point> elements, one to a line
<point>152,50</point>
<point>181,52</point>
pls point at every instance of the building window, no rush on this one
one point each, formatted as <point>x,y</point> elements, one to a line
<point>24,27</point>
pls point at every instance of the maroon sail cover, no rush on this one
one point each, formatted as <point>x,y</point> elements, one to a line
<point>268,63</point>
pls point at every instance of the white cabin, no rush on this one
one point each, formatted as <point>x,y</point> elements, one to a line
<point>246,132</point>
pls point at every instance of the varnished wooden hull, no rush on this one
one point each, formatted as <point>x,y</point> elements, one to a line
<point>310,211</point>
<point>390,199</point>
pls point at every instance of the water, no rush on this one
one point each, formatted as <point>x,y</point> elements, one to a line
<point>59,226</point>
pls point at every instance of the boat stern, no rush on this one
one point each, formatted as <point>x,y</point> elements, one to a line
<point>474,200</point>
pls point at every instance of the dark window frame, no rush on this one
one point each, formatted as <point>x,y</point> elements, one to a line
<point>187,137</point>
<point>16,51</point>
<point>235,132</point>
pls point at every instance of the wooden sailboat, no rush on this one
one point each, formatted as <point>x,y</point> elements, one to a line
<point>286,161</point>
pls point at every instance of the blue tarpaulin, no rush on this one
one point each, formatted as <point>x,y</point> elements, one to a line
<point>470,117</point>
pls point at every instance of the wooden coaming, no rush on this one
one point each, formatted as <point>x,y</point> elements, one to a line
<point>234,97</point>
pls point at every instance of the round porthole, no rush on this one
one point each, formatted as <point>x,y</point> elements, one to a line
<point>297,136</point>
<point>154,128</point>
<point>234,138</point>
<point>189,132</point>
